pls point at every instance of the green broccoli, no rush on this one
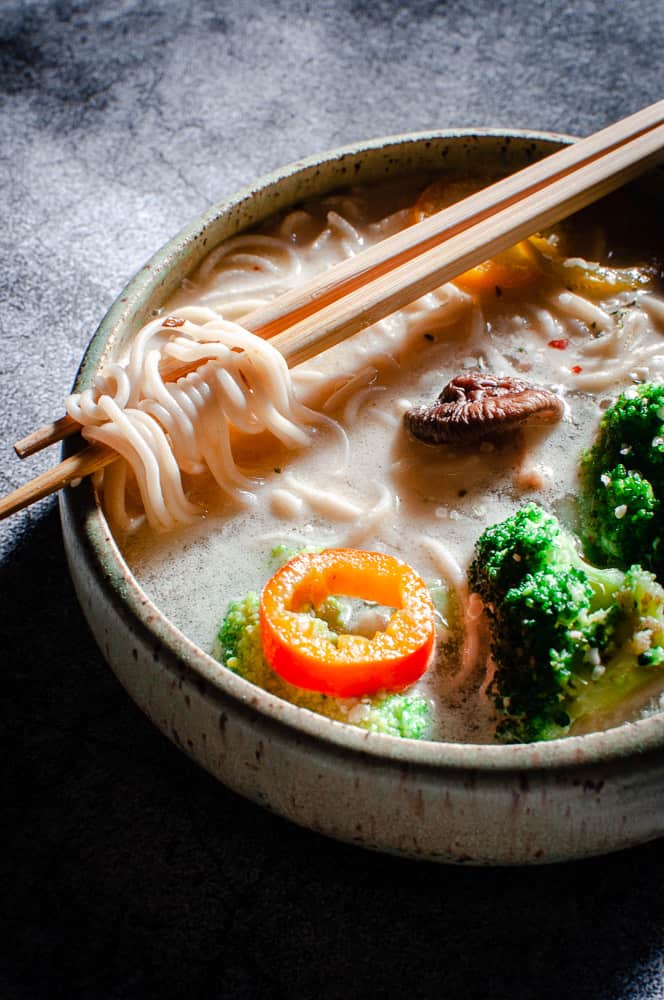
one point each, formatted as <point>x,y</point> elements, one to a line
<point>282,553</point>
<point>239,648</point>
<point>568,640</point>
<point>623,483</point>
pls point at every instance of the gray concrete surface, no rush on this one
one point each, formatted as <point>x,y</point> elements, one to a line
<point>124,870</point>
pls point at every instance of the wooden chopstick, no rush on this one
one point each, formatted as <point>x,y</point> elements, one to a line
<point>83,463</point>
<point>391,253</point>
<point>401,283</point>
<point>466,249</point>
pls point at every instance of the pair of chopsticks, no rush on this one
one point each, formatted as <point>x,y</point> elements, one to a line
<point>382,279</point>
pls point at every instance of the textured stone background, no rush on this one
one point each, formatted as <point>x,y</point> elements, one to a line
<point>124,870</point>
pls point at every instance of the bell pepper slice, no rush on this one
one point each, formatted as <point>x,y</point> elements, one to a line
<point>587,277</point>
<point>302,650</point>
<point>516,267</point>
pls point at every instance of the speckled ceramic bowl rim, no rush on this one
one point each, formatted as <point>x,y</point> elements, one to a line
<point>130,600</point>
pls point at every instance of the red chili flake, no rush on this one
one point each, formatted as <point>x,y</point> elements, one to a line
<point>173,321</point>
<point>576,369</point>
<point>559,345</point>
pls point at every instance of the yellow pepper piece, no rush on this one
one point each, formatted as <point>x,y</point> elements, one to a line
<point>586,277</point>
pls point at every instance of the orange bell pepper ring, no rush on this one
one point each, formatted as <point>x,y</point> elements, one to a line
<point>304,652</point>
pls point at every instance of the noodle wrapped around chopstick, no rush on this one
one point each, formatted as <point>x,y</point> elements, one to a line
<point>164,429</point>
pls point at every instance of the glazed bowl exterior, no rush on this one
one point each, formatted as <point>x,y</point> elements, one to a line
<point>440,801</point>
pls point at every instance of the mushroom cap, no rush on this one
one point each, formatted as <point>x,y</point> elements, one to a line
<point>476,404</point>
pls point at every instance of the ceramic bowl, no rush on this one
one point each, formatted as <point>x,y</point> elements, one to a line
<point>465,804</point>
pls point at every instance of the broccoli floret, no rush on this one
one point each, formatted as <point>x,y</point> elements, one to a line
<point>623,482</point>
<point>240,649</point>
<point>282,553</point>
<point>507,551</point>
<point>568,640</point>
<point>619,522</point>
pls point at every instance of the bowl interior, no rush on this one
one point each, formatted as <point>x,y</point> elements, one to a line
<point>463,151</point>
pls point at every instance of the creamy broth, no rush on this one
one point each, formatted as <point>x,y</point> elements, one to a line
<point>363,481</point>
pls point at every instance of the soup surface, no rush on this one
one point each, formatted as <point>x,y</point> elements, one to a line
<point>362,481</point>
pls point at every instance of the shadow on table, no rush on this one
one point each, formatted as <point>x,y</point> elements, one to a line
<point>129,872</point>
